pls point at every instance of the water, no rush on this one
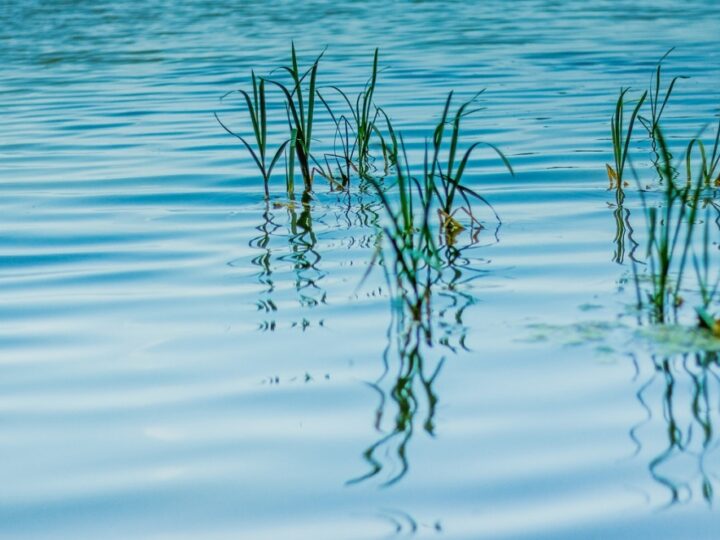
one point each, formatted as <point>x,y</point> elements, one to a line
<point>181,360</point>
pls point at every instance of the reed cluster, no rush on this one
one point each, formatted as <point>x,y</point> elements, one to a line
<point>680,229</point>
<point>420,200</point>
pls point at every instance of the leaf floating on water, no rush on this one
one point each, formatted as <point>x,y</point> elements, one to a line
<point>708,321</point>
<point>449,223</point>
<point>450,226</point>
<point>612,176</point>
<point>289,205</point>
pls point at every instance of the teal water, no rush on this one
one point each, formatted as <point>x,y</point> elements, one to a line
<point>179,359</point>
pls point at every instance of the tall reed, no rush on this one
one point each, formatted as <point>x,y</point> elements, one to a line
<point>670,234</point>
<point>710,165</point>
<point>657,101</point>
<point>445,178</point>
<point>621,137</point>
<point>300,110</point>
<point>361,121</point>
<point>257,109</point>
<point>414,252</point>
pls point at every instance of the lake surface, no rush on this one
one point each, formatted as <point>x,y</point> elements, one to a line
<point>180,359</point>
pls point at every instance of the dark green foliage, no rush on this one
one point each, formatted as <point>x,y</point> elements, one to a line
<point>621,138</point>
<point>670,234</point>
<point>300,108</point>
<point>257,109</point>
<point>360,123</point>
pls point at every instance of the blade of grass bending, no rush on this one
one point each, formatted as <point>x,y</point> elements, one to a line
<point>276,157</point>
<point>290,160</point>
<point>242,140</point>
<point>455,182</point>
<point>630,130</point>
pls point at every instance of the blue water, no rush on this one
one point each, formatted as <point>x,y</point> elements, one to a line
<point>180,359</point>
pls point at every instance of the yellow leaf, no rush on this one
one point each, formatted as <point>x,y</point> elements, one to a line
<point>289,205</point>
<point>449,223</point>
<point>612,176</point>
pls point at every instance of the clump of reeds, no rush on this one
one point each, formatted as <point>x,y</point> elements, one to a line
<point>674,239</point>
<point>420,200</point>
<point>357,128</point>
<point>413,251</point>
<point>445,178</point>
<point>435,186</point>
<point>300,96</point>
<point>671,235</point>
<point>299,92</point>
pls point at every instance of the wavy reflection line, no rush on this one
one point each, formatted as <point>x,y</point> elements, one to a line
<point>294,243</point>
<point>411,382</point>
<point>695,438</point>
<point>623,231</point>
<point>263,261</point>
<point>408,390</point>
<point>648,410</point>
<point>402,522</point>
<point>304,256</point>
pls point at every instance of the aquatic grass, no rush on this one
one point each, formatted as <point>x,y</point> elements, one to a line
<point>657,101</point>
<point>406,390</point>
<point>341,160</point>
<point>364,115</point>
<point>409,235</point>
<point>672,239</point>
<point>670,235</point>
<point>300,110</point>
<point>388,142</point>
<point>445,178</point>
<point>440,176</point>
<point>257,109</point>
<point>710,165</point>
<point>685,389</point>
<point>436,184</point>
<point>621,137</point>
<point>290,165</point>
<point>703,265</point>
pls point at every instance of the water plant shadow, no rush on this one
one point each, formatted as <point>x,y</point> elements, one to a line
<point>680,399</point>
<point>412,361</point>
<point>290,223</point>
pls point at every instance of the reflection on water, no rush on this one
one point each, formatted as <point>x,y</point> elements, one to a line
<point>290,252</point>
<point>403,524</point>
<point>623,230</point>
<point>406,397</point>
<point>411,364</point>
<point>303,256</point>
<point>681,398</point>
<point>291,222</point>
<point>131,399</point>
